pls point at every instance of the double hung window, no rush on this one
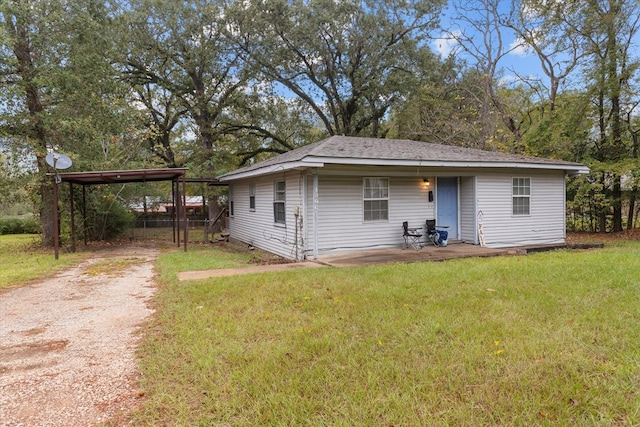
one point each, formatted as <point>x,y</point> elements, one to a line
<point>279,197</point>
<point>252,197</point>
<point>521,193</point>
<point>376,199</point>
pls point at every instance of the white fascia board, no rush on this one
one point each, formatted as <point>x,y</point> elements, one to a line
<point>270,169</point>
<point>573,169</point>
<point>579,170</point>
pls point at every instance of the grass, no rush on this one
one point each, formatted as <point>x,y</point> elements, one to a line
<point>22,260</point>
<point>546,339</point>
<point>206,258</point>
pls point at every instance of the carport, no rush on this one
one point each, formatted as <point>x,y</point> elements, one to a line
<point>175,175</point>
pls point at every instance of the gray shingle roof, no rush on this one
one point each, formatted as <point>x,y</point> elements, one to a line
<point>335,148</point>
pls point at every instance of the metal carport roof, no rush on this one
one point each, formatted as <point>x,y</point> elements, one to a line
<point>122,176</point>
<point>116,177</point>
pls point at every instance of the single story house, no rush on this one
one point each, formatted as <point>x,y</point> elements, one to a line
<point>352,193</point>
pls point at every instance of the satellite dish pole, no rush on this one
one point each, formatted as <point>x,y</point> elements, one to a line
<point>57,161</point>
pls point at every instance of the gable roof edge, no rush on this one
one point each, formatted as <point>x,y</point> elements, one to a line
<point>279,167</point>
<point>575,168</point>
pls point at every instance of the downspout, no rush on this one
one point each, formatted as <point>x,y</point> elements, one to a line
<point>315,213</point>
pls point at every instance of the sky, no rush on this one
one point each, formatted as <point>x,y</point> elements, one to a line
<point>520,60</point>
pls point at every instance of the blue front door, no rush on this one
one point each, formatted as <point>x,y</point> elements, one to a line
<point>447,205</point>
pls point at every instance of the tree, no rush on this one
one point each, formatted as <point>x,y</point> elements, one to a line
<point>542,27</point>
<point>161,115</point>
<point>563,133</point>
<point>444,109</point>
<point>270,123</point>
<point>57,87</point>
<point>13,177</point>
<point>608,28</point>
<point>181,63</point>
<point>479,33</point>
<point>349,61</point>
<point>632,122</point>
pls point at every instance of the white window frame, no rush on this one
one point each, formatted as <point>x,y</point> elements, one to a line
<point>279,199</point>
<point>373,194</point>
<point>231,204</point>
<point>521,196</point>
<point>252,197</point>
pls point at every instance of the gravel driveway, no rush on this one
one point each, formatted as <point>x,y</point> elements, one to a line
<point>67,343</point>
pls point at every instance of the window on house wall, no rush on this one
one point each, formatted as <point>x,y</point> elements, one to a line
<point>230,200</point>
<point>252,197</point>
<point>279,197</point>
<point>521,196</point>
<point>376,199</point>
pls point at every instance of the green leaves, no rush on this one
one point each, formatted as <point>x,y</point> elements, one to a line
<point>350,63</point>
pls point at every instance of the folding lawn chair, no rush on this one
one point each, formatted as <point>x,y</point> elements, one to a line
<point>411,236</point>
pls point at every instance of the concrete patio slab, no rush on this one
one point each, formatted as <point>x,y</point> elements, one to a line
<point>372,257</point>
<point>427,253</point>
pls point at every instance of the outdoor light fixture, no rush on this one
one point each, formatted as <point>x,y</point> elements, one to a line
<point>426,181</point>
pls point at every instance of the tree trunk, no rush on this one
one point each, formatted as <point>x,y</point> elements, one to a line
<point>617,205</point>
<point>632,207</point>
<point>602,224</point>
<point>602,213</point>
<point>35,128</point>
<point>46,210</point>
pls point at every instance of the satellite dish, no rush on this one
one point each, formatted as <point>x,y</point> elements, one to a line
<point>58,161</point>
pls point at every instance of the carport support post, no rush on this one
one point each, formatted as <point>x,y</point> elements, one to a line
<point>56,226</point>
<point>176,199</point>
<point>184,210</point>
<point>84,214</point>
<point>73,222</point>
<point>173,210</point>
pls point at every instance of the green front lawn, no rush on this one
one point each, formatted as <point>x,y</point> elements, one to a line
<point>23,259</point>
<point>546,339</point>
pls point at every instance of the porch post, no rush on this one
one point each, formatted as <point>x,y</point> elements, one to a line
<point>305,213</point>
<point>315,213</point>
<point>564,207</point>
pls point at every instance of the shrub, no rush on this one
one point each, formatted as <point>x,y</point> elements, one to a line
<point>107,218</point>
<point>31,225</point>
<point>25,225</point>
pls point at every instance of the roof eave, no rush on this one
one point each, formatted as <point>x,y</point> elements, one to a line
<point>303,164</point>
<point>569,168</point>
<point>318,162</point>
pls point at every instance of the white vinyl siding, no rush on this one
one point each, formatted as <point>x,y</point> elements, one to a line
<point>468,218</point>
<point>340,219</point>
<point>258,228</point>
<point>543,225</point>
<point>340,213</point>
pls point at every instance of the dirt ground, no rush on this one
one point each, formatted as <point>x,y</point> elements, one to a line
<point>67,344</point>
